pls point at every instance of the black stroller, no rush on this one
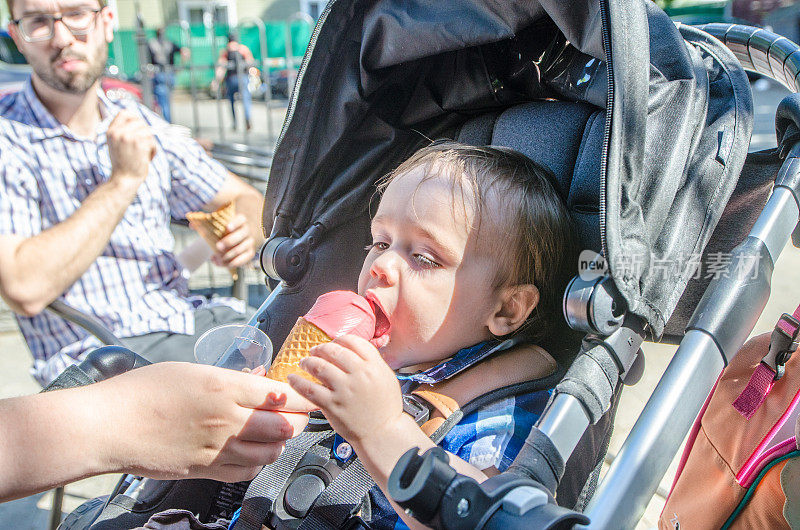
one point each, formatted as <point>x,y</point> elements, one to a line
<point>646,126</point>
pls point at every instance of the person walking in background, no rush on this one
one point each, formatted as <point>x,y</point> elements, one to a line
<point>162,53</point>
<point>234,65</point>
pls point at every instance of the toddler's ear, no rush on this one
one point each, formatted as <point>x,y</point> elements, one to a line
<point>514,307</point>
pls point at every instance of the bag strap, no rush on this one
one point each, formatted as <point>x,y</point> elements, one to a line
<point>782,344</point>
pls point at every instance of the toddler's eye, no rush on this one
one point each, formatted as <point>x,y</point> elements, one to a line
<point>426,262</point>
<point>378,245</point>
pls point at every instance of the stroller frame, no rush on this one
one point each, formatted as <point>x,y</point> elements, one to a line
<point>719,326</point>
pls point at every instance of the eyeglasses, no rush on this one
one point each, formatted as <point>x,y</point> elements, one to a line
<point>39,26</point>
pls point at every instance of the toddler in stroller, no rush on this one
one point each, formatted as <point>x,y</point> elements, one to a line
<point>469,249</point>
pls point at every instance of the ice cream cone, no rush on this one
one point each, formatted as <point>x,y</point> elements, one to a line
<point>301,339</point>
<point>213,226</point>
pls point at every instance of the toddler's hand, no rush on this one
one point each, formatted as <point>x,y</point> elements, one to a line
<point>359,394</point>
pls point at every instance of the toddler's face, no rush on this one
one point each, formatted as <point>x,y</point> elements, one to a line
<point>429,271</point>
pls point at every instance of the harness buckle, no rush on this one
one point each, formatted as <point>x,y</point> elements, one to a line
<point>782,344</point>
<point>415,408</point>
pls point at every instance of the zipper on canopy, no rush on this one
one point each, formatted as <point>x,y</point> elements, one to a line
<point>606,23</point>
<point>301,72</point>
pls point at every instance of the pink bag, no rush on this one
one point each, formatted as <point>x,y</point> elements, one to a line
<point>741,464</point>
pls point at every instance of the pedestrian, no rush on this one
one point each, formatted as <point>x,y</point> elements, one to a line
<point>234,67</point>
<point>162,53</point>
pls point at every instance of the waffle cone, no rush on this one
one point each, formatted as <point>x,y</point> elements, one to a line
<point>301,339</point>
<point>213,226</point>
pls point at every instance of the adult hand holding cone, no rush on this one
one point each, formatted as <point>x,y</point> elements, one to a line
<point>213,226</point>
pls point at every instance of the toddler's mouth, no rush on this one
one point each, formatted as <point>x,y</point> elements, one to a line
<point>382,324</point>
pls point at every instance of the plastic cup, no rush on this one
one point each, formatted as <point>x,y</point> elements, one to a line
<point>234,346</point>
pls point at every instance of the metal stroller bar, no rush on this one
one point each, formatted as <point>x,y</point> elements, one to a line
<point>760,51</point>
<point>84,320</point>
<point>720,324</point>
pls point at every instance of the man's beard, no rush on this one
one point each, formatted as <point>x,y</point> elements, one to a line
<point>76,82</point>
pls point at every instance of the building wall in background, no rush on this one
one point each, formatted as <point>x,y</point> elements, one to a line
<point>158,13</point>
<point>152,12</point>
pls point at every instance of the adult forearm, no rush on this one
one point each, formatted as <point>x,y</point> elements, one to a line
<point>47,440</point>
<point>45,265</point>
<point>219,73</point>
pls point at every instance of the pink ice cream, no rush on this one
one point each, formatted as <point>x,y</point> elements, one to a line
<point>333,315</point>
<point>343,313</point>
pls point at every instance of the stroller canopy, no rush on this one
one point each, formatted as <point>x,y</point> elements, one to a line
<point>381,79</point>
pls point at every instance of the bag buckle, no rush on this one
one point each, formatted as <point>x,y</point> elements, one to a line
<point>416,409</point>
<point>782,344</point>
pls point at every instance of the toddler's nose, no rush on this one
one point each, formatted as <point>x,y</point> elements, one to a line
<point>385,267</point>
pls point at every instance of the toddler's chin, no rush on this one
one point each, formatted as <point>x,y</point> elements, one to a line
<point>380,342</point>
<point>394,364</point>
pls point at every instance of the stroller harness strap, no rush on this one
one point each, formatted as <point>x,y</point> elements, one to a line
<point>263,490</point>
<point>448,400</point>
<point>340,498</point>
<point>517,365</point>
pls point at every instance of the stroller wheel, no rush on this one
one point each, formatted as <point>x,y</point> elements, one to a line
<point>84,515</point>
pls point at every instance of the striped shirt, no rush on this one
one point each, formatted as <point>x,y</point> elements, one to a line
<point>136,286</point>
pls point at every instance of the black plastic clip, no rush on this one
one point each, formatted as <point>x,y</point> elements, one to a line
<point>416,409</point>
<point>782,345</point>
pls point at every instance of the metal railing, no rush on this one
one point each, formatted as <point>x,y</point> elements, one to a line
<point>269,89</point>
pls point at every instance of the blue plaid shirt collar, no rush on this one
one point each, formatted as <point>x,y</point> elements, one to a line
<point>459,362</point>
<point>47,126</point>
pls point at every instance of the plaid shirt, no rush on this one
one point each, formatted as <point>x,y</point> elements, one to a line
<point>136,286</point>
<point>489,437</point>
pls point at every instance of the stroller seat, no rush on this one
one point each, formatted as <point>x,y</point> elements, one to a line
<point>566,137</point>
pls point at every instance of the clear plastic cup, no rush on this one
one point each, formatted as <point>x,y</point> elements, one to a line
<point>234,346</point>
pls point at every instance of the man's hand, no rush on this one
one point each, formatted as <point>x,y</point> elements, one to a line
<point>131,147</point>
<point>181,420</point>
<point>238,247</point>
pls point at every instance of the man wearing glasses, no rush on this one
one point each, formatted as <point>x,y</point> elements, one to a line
<point>87,190</point>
